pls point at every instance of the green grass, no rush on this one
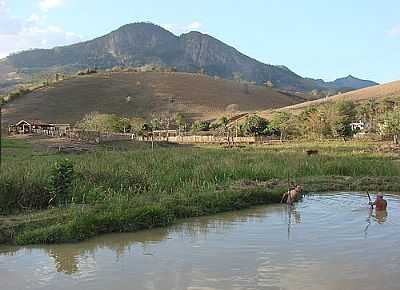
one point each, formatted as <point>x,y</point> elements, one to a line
<point>136,188</point>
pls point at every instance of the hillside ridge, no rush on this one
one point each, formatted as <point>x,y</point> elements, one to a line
<point>378,92</point>
<point>142,94</point>
<point>138,44</point>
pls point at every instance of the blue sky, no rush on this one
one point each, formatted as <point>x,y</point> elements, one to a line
<point>319,39</point>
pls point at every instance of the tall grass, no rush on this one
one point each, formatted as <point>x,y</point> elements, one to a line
<point>128,190</point>
<point>153,175</point>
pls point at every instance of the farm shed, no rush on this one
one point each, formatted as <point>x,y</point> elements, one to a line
<point>38,127</point>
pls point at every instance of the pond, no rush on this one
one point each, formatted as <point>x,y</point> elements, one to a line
<point>327,241</point>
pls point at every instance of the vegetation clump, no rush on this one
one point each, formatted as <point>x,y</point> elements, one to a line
<point>60,181</point>
<point>87,71</point>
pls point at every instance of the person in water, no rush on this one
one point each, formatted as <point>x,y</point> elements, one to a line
<point>379,203</point>
<point>292,195</point>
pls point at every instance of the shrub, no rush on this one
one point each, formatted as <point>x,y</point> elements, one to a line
<point>201,126</point>
<point>255,125</point>
<point>60,181</point>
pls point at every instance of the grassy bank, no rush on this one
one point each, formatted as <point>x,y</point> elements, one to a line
<point>137,188</point>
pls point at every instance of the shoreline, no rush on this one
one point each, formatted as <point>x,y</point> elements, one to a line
<point>78,222</point>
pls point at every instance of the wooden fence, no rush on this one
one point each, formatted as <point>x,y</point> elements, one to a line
<point>116,137</point>
<point>215,139</point>
<point>96,137</point>
<point>84,135</point>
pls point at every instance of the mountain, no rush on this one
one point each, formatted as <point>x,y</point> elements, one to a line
<point>145,43</point>
<point>142,94</point>
<point>353,83</point>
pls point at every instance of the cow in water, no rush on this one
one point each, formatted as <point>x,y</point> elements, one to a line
<point>292,195</point>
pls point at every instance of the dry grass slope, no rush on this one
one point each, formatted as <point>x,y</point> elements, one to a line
<point>197,96</point>
<point>391,89</point>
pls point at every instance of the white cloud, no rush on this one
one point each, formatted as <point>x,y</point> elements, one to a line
<point>46,5</point>
<point>179,29</point>
<point>17,34</point>
<point>195,25</point>
<point>395,31</point>
<point>35,18</point>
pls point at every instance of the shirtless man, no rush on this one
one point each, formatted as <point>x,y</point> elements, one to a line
<point>292,195</point>
<point>379,203</point>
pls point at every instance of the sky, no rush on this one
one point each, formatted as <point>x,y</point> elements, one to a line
<point>314,38</point>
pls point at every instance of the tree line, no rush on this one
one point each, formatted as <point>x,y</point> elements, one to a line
<point>326,121</point>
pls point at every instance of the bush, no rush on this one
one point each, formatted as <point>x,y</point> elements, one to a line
<point>255,125</point>
<point>201,126</point>
<point>87,71</point>
<point>60,181</point>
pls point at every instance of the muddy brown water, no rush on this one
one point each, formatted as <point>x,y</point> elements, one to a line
<point>327,241</point>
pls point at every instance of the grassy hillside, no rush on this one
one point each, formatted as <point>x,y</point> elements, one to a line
<point>376,92</point>
<point>142,94</point>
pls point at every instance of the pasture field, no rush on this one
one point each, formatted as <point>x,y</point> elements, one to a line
<point>128,186</point>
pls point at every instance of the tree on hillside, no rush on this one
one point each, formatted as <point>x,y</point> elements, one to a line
<point>255,125</point>
<point>155,124</point>
<point>180,121</point>
<point>368,113</point>
<point>282,123</point>
<point>391,125</point>
<point>387,105</point>
<point>220,126</point>
<point>201,126</point>
<point>224,121</point>
<point>99,122</point>
<point>344,114</point>
<point>147,128</point>
<point>315,125</point>
<point>122,125</point>
<point>223,124</point>
<point>363,113</point>
<point>136,126</point>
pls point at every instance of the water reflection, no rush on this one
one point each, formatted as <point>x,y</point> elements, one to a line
<point>315,244</point>
<point>379,216</point>
<point>292,212</point>
<point>65,260</point>
<point>67,257</point>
